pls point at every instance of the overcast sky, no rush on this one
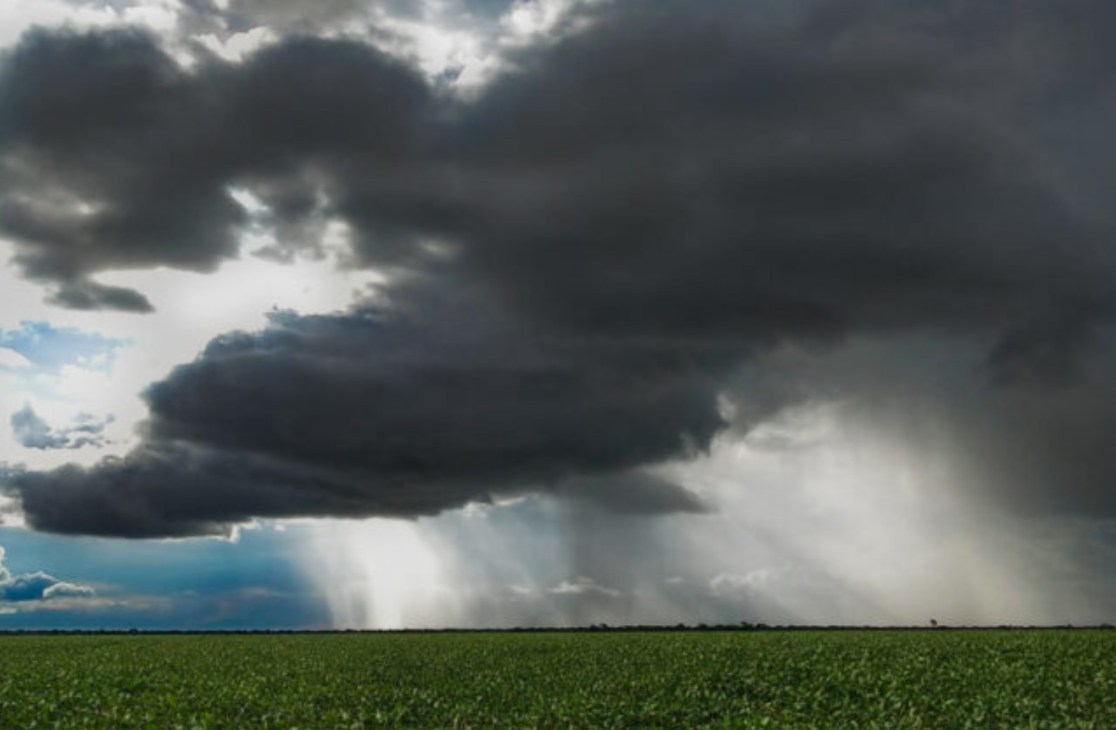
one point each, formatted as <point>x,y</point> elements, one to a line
<point>550,312</point>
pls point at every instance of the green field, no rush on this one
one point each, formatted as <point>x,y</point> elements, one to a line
<point>880,679</point>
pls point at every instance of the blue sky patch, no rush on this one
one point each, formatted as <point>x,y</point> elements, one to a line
<point>48,347</point>
<point>184,584</point>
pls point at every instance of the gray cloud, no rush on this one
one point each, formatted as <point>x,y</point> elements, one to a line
<point>1033,445</point>
<point>32,431</point>
<point>632,492</point>
<point>638,211</point>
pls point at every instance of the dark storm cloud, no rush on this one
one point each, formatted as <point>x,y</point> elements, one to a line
<point>702,173</point>
<point>366,413</point>
<point>635,210</point>
<point>668,172</point>
<point>112,156</point>
<point>103,166</point>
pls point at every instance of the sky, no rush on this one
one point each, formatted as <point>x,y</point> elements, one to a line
<point>490,313</point>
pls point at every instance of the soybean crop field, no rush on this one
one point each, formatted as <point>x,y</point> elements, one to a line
<point>798,679</point>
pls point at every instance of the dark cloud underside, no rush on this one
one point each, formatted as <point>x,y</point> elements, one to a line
<point>364,413</point>
<point>115,157</point>
<point>636,211</point>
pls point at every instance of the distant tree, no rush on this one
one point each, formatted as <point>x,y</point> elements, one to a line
<point>933,623</point>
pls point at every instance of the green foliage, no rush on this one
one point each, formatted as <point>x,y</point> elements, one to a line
<point>879,679</point>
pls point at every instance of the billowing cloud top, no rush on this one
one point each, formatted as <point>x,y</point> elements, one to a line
<point>581,254</point>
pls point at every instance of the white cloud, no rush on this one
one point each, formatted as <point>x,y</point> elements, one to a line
<point>582,585</point>
<point>17,16</point>
<point>237,46</point>
<point>532,21</point>
<point>160,16</point>
<point>12,359</point>
<point>64,589</point>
